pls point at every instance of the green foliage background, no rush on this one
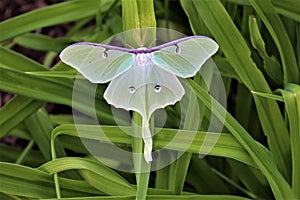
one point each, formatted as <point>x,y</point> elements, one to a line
<point>257,155</point>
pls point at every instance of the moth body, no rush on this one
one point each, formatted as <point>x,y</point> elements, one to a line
<point>143,59</point>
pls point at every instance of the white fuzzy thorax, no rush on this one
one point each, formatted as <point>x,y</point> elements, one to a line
<point>143,59</point>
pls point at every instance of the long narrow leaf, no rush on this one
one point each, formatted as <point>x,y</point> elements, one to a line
<point>238,54</point>
<point>226,146</point>
<point>291,96</point>
<point>165,197</point>
<point>50,15</point>
<point>15,111</point>
<point>42,42</point>
<point>51,90</point>
<point>277,30</point>
<point>108,180</point>
<point>34,183</point>
<point>260,154</point>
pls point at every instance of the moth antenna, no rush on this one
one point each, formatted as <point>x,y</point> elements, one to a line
<point>150,45</point>
<point>143,39</point>
<point>137,35</point>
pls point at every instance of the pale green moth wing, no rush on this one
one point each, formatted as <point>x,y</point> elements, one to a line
<point>97,62</point>
<point>184,59</point>
<point>144,89</point>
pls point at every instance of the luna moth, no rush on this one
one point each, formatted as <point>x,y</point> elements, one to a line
<point>142,79</point>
